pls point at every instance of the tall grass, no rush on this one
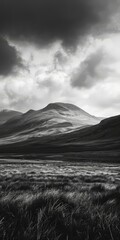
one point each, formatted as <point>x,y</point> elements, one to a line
<point>67,205</point>
<point>54,214</point>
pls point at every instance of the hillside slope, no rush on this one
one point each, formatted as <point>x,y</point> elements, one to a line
<point>107,129</point>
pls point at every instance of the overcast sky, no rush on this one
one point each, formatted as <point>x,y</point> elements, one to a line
<point>60,50</point>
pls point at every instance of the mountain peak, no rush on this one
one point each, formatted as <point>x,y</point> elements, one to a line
<point>61,106</point>
<point>67,108</point>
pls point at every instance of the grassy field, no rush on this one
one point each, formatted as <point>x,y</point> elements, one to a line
<point>59,200</point>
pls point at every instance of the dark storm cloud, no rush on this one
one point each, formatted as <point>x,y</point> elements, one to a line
<point>90,71</point>
<point>8,58</point>
<point>44,21</point>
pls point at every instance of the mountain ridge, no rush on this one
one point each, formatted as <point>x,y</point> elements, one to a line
<point>55,118</point>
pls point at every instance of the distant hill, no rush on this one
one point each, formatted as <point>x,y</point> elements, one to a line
<point>5,115</point>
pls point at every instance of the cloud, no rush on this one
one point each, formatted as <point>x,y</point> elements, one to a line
<point>24,93</point>
<point>105,98</point>
<point>99,95</point>
<point>45,21</point>
<point>91,70</point>
<point>9,58</point>
<point>60,59</point>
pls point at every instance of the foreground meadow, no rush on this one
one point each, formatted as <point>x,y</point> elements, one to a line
<point>59,200</point>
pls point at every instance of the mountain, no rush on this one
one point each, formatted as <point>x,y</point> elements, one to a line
<point>54,119</point>
<point>100,142</point>
<point>5,115</point>
<point>61,131</point>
